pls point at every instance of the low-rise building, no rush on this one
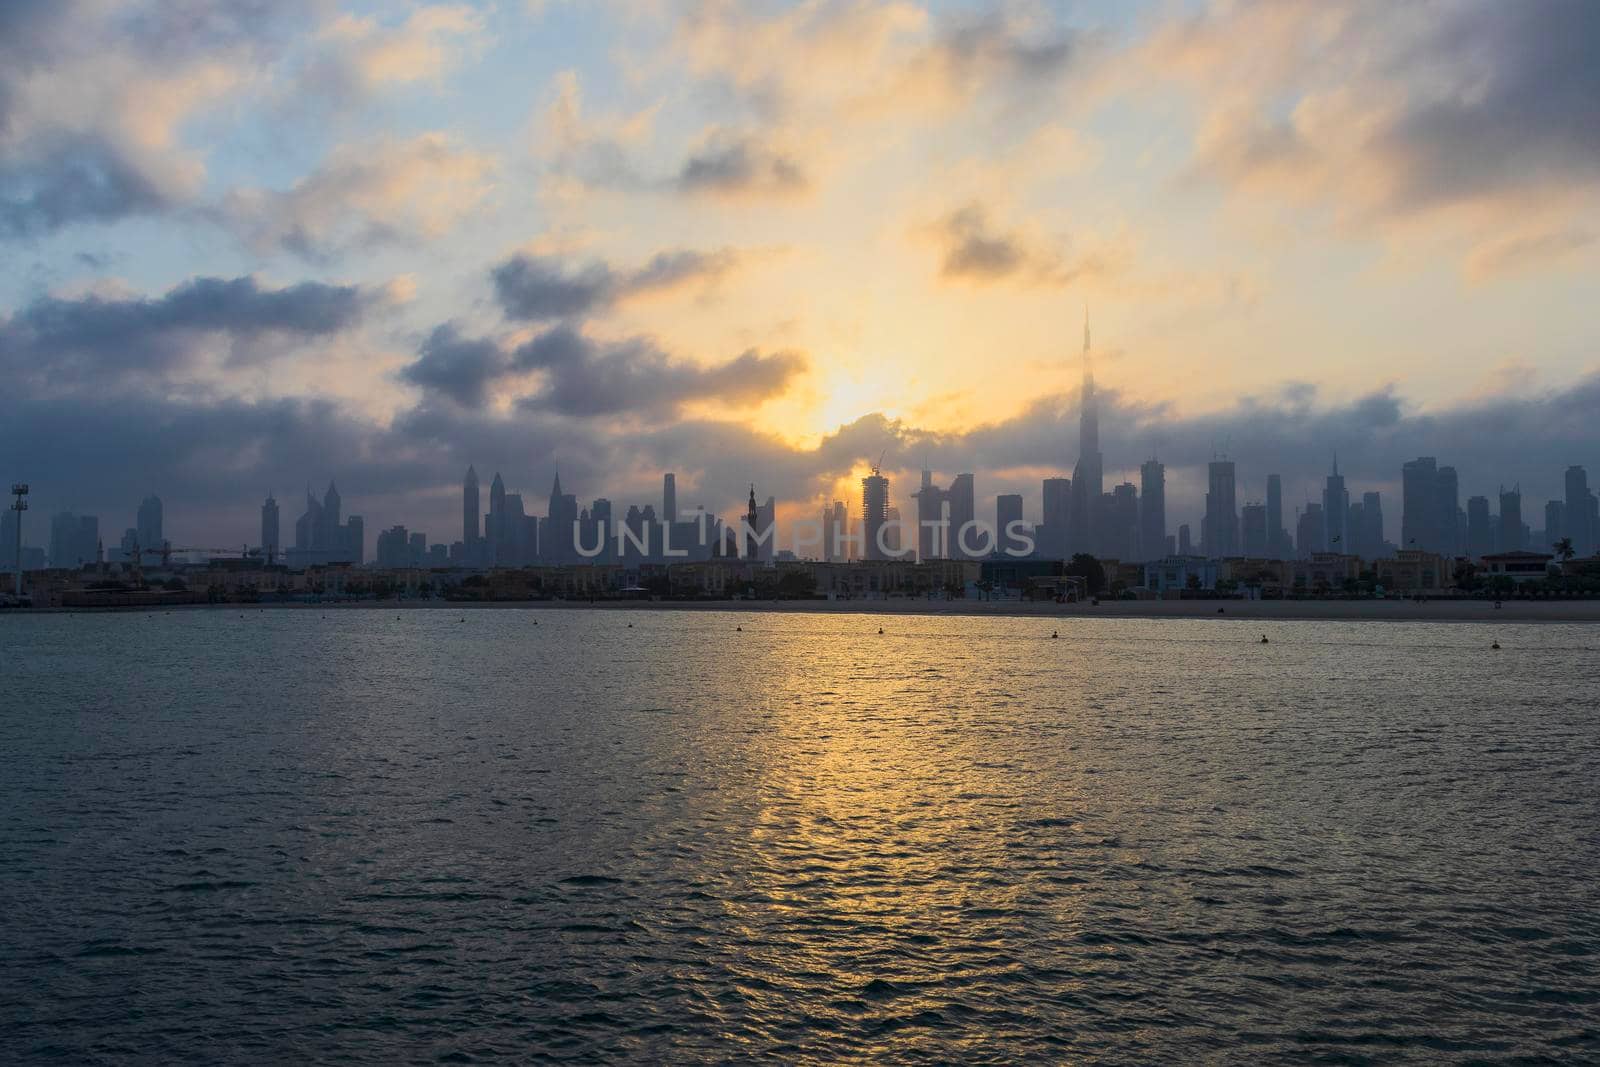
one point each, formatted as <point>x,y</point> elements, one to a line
<point>1414,571</point>
<point>1174,574</point>
<point>1323,573</point>
<point>1520,567</point>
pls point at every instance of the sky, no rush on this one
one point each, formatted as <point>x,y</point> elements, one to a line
<point>255,245</point>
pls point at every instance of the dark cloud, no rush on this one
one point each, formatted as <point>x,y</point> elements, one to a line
<point>586,377</point>
<point>576,375</point>
<point>536,288</point>
<point>540,288</point>
<point>1522,110</point>
<point>1472,101</point>
<point>729,164</point>
<point>974,251</point>
<point>461,368</point>
<point>62,342</point>
<point>76,178</point>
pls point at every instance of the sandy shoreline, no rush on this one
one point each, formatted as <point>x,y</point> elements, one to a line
<point>1567,611</point>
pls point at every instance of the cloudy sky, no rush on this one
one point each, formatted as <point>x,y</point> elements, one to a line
<point>250,244</point>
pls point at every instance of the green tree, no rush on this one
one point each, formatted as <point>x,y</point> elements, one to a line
<point>1564,548</point>
<point>1085,566</point>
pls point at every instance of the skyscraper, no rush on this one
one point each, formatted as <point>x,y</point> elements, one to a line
<point>1369,536</point>
<point>1119,519</point>
<point>1430,507</point>
<point>149,524</point>
<point>1253,527</point>
<point>767,544</point>
<point>1277,536</point>
<point>962,499</point>
<point>874,512</point>
<point>1555,524</point>
<point>1152,509</point>
<point>932,538</point>
<point>1185,542</point>
<point>1510,520</point>
<point>271,531</point>
<point>669,497</point>
<point>496,534</point>
<point>752,523</point>
<point>1088,476</point>
<point>837,524</point>
<point>1578,509</point>
<point>1311,533</point>
<point>558,543</point>
<point>74,540</point>
<point>1448,522</point>
<point>470,514</point>
<point>1056,527</point>
<point>1219,531</point>
<point>325,530</point>
<point>1480,530</point>
<point>1336,511</point>
<point>1008,510</point>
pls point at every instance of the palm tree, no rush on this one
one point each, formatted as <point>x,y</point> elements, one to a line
<point>1564,548</point>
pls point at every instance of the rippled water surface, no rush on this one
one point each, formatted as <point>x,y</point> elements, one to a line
<point>649,835</point>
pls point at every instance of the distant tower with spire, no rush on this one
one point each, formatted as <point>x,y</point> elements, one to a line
<point>1336,511</point>
<point>1088,476</point>
<point>752,519</point>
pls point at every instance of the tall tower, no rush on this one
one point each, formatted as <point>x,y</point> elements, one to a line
<point>1219,532</point>
<point>149,524</point>
<point>1276,534</point>
<point>752,520</point>
<point>1336,512</point>
<point>1511,539</point>
<point>270,530</point>
<point>1449,518</point>
<point>1088,476</point>
<point>1419,505</point>
<point>1577,510</point>
<point>1152,510</point>
<point>469,510</point>
<point>669,497</point>
<point>930,508</point>
<point>494,530</point>
<point>874,513</point>
<point>333,504</point>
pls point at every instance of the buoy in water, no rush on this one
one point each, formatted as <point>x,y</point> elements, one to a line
<point>880,629</point>
<point>1263,639</point>
<point>1496,645</point>
<point>1054,634</point>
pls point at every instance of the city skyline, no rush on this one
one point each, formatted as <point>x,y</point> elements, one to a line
<point>643,254</point>
<point>1128,524</point>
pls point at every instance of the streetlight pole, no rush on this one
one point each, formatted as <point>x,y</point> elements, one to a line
<point>20,491</point>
